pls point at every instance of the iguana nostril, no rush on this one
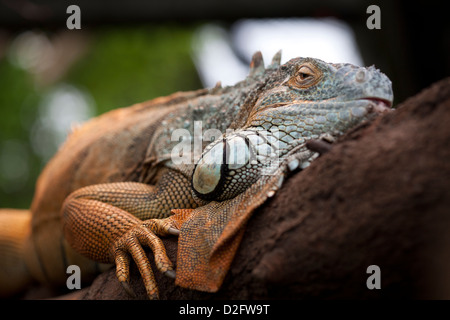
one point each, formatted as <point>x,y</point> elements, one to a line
<point>360,75</point>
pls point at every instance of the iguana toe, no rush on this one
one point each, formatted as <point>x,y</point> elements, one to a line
<point>170,225</point>
<point>131,243</point>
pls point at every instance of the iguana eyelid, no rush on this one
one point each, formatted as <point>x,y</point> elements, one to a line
<point>299,81</point>
<point>305,70</point>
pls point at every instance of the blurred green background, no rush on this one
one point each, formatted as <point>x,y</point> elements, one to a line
<point>93,72</point>
<point>52,78</point>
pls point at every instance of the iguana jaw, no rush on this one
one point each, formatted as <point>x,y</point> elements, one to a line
<point>379,105</point>
<point>345,112</point>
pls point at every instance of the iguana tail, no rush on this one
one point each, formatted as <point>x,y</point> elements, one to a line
<point>14,231</point>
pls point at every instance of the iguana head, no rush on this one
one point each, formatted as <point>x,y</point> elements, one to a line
<point>319,97</point>
<point>300,100</point>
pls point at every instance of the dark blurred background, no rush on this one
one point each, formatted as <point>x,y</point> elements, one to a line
<point>52,78</point>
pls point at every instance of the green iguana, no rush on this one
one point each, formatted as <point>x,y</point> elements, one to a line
<point>193,164</point>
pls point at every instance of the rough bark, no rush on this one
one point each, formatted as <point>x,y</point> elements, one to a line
<point>381,197</point>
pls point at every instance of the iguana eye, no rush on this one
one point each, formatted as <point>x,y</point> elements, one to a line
<point>305,73</point>
<point>303,76</point>
<point>306,76</point>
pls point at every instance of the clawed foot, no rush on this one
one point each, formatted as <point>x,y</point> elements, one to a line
<point>132,242</point>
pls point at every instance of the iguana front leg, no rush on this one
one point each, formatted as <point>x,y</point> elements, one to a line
<point>104,223</point>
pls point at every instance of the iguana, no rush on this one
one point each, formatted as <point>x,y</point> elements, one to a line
<point>193,164</point>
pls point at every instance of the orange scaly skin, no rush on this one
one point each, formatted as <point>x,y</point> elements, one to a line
<point>109,148</point>
<point>113,188</point>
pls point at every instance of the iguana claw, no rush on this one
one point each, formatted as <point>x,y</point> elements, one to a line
<point>170,273</point>
<point>173,231</point>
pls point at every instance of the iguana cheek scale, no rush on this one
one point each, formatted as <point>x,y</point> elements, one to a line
<point>113,188</point>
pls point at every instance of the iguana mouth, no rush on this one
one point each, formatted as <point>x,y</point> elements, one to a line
<point>379,105</point>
